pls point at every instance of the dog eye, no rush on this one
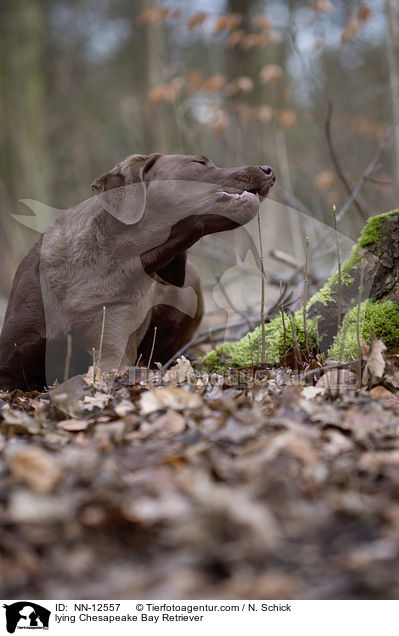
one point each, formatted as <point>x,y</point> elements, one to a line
<point>201,161</point>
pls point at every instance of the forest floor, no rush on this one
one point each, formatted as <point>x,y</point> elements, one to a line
<point>203,488</point>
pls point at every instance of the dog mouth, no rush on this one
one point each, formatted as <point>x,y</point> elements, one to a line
<point>250,194</point>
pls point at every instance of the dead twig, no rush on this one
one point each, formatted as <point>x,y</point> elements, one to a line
<point>338,169</point>
<point>367,172</point>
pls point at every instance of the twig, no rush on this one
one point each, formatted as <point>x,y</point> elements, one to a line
<point>367,172</point>
<point>284,328</point>
<point>350,200</point>
<point>339,284</point>
<point>295,344</point>
<point>337,165</point>
<point>327,367</point>
<point>359,300</point>
<point>152,347</point>
<point>203,336</point>
<point>287,259</point>
<point>305,296</point>
<point>262,302</point>
<point>230,302</point>
<point>68,357</point>
<point>100,349</point>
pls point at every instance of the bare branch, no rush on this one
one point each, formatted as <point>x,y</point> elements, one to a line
<point>341,175</point>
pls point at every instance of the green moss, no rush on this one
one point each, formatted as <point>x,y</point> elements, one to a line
<point>380,319</point>
<point>323,296</point>
<point>372,229</point>
<point>369,235</point>
<point>248,350</point>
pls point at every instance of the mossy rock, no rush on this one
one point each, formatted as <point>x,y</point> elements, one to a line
<point>371,268</point>
<point>379,319</point>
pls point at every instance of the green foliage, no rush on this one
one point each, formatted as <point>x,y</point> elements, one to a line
<point>247,350</point>
<point>372,229</point>
<point>380,319</point>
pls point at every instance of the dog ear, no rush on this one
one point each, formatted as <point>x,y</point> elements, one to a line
<point>124,197</point>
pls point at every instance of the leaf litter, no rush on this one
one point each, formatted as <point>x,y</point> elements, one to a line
<point>195,486</point>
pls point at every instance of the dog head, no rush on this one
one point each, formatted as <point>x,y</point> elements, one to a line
<point>179,186</point>
<point>174,200</point>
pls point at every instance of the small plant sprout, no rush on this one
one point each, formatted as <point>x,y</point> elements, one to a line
<point>262,301</point>
<point>283,322</point>
<point>359,301</point>
<point>339,273</point>
<point>305,294</point>
<point>152,347</point>
<point>295,343</point>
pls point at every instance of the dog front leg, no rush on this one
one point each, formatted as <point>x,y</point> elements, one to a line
<point>113,338</point>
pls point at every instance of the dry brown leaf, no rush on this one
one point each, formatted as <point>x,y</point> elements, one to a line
<point>265,113</point>
<point>36,468</point>
<point>261,21</point>
<point>164,427</point>
<point>196,21</point>
<point>254,39</point>
<point>324,179</point>
<point>168,92</point>
<point>73,425</point>
<point>244,84</point>
<point>355,22</point>
<point>180,372</point>
<point>375,365</point>
<point>321,6</point>
<point>153,16</point>
<point>214,83</point>
<point>20,420</point>
<point>287,118</point>
<point>271,73</point>
<point>227,22</point>
<point>236,37</point>
<point>195,80</point>
<point>165,397</point>
<point>342,379</point>
<point>124,407</point>
<point>98,400</point>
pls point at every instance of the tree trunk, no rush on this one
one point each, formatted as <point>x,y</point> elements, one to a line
<point>393,59</point>
<point>23,162</point>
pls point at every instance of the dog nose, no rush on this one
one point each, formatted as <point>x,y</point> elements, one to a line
<point>269,172</point>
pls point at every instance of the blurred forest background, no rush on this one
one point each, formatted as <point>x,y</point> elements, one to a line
<point>85,83</point>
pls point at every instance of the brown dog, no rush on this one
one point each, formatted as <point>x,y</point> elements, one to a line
<point>113,268</point>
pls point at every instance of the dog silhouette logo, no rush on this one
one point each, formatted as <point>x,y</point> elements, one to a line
<point>26,615</point>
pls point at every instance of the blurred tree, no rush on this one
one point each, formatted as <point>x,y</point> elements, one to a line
<point>155,127</point>
<point>23,160</point>
<point>393,59</point>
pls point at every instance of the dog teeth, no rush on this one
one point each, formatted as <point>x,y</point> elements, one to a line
<point>224,195</point>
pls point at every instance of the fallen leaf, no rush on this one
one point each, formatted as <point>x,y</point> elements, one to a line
<point>73,425</point>
<point>180,372</point>
<point>310,392</point>
<point>124,407</point>
<point>338,379</point>
<point>35,467</point>
<point>19,420</point>
<point>375,365</point>
<point>165,397</point>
